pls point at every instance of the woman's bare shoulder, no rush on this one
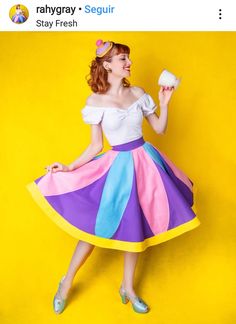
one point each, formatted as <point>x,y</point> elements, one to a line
<point>137,91</point>
<point>91,100</point>
<point>95,100</point>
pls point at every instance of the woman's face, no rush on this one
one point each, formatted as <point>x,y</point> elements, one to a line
<point>120,65</point>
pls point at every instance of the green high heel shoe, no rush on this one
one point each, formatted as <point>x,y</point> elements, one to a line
<point>58,302</point>
<point>138,303</point>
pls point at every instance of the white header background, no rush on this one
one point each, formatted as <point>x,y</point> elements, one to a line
<point>129,15</point>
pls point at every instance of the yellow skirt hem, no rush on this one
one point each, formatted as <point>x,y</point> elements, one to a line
<point>105,242</point>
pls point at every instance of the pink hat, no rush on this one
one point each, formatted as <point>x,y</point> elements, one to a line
<point>103,47</point>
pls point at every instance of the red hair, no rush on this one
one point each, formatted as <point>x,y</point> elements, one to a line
<point>99,75</point>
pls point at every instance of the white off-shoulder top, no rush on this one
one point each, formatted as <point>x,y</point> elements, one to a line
<point>121,125</point>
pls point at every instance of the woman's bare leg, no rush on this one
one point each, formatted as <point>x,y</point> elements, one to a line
<point>81,253</point>
<point>130,260</point>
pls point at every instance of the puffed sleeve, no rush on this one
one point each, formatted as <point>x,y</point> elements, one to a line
<point>148,105</point>
<point>92,115</point>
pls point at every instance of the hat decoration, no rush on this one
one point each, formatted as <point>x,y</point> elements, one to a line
<point>103,47</point>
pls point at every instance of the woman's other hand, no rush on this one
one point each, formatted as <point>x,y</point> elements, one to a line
<point>55,167</point>
<point>165,94</point>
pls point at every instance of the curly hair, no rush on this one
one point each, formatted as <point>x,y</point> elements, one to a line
<point>98,80</point>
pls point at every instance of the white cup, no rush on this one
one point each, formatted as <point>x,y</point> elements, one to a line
<point>168,79</point>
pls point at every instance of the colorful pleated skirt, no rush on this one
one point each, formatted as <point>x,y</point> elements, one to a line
<point>18,18</point>
<point>128,198</point>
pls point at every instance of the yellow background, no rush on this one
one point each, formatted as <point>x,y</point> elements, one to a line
<point>189,279</point>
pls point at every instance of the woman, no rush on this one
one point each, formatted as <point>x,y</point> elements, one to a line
<point>128,198</point>
<point>19,16</point>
